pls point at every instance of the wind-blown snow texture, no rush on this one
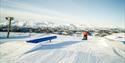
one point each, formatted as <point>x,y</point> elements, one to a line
<point>64,49</point>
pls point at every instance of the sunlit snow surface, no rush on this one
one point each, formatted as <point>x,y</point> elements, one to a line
<point>64,49</point>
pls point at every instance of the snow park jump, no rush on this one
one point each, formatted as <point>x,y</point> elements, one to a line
<point>42,39</point>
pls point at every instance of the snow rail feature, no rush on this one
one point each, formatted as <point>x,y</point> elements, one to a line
<point>42,39</point>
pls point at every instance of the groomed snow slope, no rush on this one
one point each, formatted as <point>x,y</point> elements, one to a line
<point>64,49</point>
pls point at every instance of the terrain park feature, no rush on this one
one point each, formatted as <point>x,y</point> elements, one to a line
<point>42,39</point>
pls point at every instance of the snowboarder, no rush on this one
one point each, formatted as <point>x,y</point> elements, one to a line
<point>85,35</point>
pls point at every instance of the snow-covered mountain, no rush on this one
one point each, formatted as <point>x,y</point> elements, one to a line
<point>30,22</point>
<point>36,23</point>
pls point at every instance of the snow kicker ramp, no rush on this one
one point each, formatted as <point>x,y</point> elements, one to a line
<point>42,39</point>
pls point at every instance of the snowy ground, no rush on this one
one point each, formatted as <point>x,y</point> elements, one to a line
<point>64,49</point>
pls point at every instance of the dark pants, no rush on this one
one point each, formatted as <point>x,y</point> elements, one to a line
<point>85,37</point>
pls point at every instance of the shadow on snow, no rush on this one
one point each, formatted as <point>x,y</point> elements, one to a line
<point>53,46</point>
<point>14,37</point>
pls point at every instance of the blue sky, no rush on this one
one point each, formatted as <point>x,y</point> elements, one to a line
<point>99,12</point>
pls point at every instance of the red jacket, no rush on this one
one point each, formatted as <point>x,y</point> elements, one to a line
<point>85,33</point>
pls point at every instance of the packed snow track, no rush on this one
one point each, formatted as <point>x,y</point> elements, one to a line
<point>64,49</point>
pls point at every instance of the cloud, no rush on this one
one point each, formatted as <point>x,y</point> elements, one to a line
<point>20,8</point>
<point>26,10</point>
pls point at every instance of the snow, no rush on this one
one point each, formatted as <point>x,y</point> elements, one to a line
<point>64,49</point>
<point>117,37</point>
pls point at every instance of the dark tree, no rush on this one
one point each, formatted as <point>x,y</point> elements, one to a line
<point>9,25</point>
